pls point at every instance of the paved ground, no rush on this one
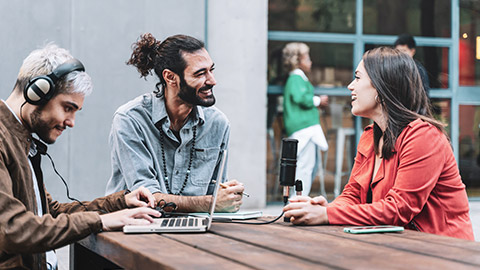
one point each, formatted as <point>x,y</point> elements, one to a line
<point>475,216</point>
<point>274,210</point>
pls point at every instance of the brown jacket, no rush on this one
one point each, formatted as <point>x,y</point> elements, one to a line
<point>24,236</point>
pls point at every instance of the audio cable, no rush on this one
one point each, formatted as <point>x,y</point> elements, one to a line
<point>65,183</point>
<point>227,220</point>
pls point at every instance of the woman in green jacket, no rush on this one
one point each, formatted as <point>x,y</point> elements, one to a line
<point>300,112</point>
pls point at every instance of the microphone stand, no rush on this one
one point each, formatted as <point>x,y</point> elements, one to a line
<point>298,192</point>
<point>286,190</point>
<point>298,187</point>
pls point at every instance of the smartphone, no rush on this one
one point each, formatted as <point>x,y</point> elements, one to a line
<point>373,229</point>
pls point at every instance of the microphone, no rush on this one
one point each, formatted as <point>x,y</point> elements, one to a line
<point>41,147</point>
<point>288,166</point>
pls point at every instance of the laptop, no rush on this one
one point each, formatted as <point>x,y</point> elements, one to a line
<point>185,223</point>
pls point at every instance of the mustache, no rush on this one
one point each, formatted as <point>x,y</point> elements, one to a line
<point>206,87</point>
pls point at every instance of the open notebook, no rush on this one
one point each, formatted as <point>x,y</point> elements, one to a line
<point>182,223</point>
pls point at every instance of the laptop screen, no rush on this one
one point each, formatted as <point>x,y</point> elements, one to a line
<point>215,190</point>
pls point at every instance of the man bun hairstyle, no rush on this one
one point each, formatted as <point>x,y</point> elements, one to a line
<point>149,53</point>
<point>144,54</point>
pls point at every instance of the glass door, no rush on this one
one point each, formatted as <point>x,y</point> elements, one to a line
<point>468,96</point>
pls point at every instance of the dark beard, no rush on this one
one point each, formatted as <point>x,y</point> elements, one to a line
<point>189,94</point>
<point>40,127</point>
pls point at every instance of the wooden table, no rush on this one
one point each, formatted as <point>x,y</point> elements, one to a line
<point>274,246</point>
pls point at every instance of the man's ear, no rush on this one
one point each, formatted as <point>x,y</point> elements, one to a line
<point>170,77</point>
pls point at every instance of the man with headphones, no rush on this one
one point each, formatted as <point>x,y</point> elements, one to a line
<point>50,89</point>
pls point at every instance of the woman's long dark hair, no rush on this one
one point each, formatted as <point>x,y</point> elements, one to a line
<point>400,91</point>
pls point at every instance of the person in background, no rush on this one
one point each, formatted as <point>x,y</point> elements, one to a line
<point>406,43</point>
<point>300,113</point>
<point>51,87</point>
<point>405,173</point>
<point>171,140</point>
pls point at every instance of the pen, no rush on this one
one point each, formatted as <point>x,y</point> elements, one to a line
<point>225,186</point>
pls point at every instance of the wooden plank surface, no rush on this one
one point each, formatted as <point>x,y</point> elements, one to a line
<point>330,249</point>
<point>443,240</point>
<point>244,253</point>
<point>453,249</point>
<point>153,251</point>
<point>284,246</point>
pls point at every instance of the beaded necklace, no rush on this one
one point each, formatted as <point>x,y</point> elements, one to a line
<point>165,179</point>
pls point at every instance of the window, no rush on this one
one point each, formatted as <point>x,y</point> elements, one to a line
<point>312,15</point>
<point>469,140</point>
<point>435,61</point>
<point>418,18</point>
<point>469,43</point>
<point>331,64</point>
<point>329,28</point>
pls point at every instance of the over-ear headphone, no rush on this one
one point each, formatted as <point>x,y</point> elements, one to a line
<point>41,89</point>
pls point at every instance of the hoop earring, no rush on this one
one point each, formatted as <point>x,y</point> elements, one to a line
<point>377,100</point>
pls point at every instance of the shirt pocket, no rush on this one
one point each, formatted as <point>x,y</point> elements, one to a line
<point>203,165</point>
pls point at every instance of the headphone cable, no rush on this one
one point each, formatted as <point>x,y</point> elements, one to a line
<point>65,183</point>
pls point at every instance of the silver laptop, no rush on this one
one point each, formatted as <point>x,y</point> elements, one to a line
<point>183,223</point>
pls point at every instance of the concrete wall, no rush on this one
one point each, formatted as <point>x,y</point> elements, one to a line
<point>100,34</point>
<point>237,40</point>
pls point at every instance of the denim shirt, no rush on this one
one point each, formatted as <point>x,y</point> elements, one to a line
<point>136,153</point>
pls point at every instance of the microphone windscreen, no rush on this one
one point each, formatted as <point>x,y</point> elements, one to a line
<point>288,162</point>
<point>289,148</point>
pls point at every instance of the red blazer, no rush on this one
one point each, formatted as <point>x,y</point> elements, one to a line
<point>419,183</point>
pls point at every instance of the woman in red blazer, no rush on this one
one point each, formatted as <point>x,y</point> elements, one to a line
<point>405,172</point>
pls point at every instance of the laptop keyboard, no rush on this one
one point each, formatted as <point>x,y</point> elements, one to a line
<point>180,222</point>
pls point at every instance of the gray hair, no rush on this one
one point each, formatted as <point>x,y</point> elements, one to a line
<point>42,61</point>
<point>291,54</point>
